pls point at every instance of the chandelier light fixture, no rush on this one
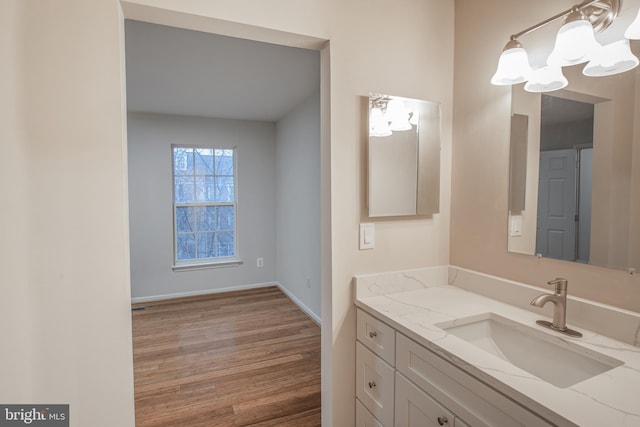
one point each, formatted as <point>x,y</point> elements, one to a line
<point>575,44</point>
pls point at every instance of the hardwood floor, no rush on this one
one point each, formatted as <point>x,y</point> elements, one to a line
<point>245,358</point>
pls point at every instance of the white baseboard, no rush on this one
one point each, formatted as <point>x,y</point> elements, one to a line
<point>284,290</point>
<point>300,304</point>
<point>153,298</point>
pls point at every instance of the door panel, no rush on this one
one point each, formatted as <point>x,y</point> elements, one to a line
<point>557,205</point>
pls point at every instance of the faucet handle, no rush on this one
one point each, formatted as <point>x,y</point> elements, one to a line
<point>560,284</point>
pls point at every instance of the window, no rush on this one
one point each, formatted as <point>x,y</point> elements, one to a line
<point>204,196</point>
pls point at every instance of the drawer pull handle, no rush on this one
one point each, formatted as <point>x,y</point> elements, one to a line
<point>372,384</point>
<point>373,334</point>
<point>443,420</point>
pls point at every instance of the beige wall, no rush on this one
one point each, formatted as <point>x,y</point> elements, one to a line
<point>374,47</point>
<point>481,159</point>
<point>634,211</point>
<point>16,307</point>
<point>66,281</point>
<point>69,148</point>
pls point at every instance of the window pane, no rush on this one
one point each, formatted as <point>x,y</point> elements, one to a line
<point>204,161</point>
<point>186,246</point>
<point>224,189</point>
<point>185,220</point>
<point>224,162</point>
<point>183,189</point>
<point>225,217</point>
<point>207,218</point>
<point>204,179</point>
<point>204,189</point>
<point>225,244</point>
<point>182,161</point>
<point>206,245</point>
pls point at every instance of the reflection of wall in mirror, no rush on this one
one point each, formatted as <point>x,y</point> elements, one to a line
<point>393,174</point>
<point>528,104</point>
<point>612,162</point>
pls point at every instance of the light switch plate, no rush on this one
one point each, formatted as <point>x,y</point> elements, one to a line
<point>367,235</point>
<point>516,225</point>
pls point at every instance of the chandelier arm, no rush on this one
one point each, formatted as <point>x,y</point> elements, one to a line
<point>585,4</point>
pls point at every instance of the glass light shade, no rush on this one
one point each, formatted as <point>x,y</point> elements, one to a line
<point>611,59</point>
<point>633,32</point>
<point>375,115</point>
<point>378,126</point>
<point>400,123</point>
<point>415,117</point>
<point>396,110</point>
<point>513,67</point>
<point>546,79</point>
<point>575,42</point>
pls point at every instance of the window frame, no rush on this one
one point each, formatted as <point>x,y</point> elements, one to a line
<point>214,262</point>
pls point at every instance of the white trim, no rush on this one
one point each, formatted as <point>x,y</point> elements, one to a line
<point>293,298</point>
<point>300,304</point>
<point>154,298</point>
<point>210,264</point>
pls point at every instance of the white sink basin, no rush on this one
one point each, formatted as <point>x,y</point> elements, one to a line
<point>548,357</point>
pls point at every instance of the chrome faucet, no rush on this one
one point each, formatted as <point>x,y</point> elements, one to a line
<point>559,300</point>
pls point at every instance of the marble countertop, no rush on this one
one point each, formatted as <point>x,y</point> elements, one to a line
<point>608,399</point>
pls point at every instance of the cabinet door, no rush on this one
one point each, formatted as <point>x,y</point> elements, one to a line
<point>374,384</point>
<point>478,404</point>
<point>364,417</point>
<point>415,408</point>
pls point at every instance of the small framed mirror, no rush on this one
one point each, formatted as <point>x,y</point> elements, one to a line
<point>404,156</point>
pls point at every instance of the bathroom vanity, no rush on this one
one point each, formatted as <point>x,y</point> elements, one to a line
<point>429,354</point>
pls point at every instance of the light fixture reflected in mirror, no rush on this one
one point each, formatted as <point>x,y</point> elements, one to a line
<point>575,44</point>
<point>378,125</point>
<point>390,114</point>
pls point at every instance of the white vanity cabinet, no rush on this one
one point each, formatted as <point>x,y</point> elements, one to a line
<point>375,370</point>
<point>414,407</point>
<point>403,384</point>
<point>375,384</point>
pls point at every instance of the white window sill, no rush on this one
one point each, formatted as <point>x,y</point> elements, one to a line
<point>206,265</point>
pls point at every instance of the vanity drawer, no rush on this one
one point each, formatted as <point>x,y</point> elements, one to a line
<point>472,400</point>
<point>375,384</point>
<point>364,418</point>
<point>377,336</point>
<point>414,407</point>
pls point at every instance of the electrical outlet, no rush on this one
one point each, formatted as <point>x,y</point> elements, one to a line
<point>308,282</point>
<point>260,262</point>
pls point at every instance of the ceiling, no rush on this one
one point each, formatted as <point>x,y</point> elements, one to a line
<point>178,71</point>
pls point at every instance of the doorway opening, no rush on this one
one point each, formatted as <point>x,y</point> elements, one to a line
<point>298,169</point>
<point>564,188</point>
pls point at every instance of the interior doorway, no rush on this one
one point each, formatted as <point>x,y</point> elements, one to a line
<point>564,188</point>
<point>322,281</point>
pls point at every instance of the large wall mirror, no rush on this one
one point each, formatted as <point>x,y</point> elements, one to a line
<point>404,156</point>
<point>575,170</point>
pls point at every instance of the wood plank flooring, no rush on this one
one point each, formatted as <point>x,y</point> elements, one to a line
<point>245,358</point>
